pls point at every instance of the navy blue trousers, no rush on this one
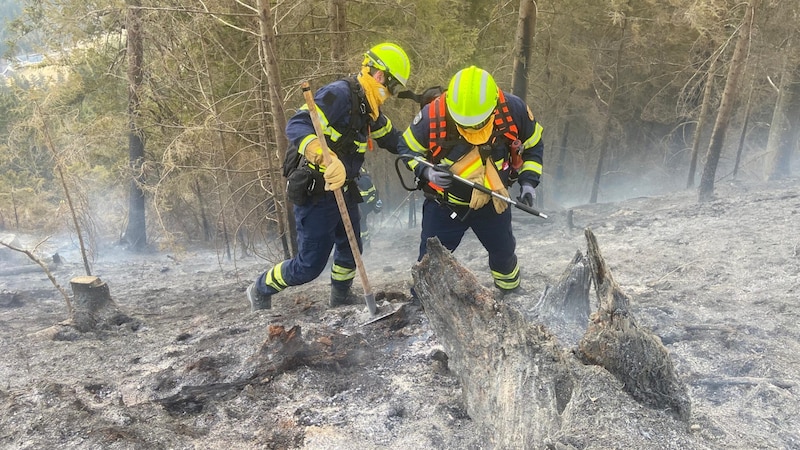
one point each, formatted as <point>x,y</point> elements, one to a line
<point>319,230</point>
<point>492,230</point>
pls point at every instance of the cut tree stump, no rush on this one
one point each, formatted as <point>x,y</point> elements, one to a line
<point>519,372</point>
<point>91,309</point>
<point>92,304</point>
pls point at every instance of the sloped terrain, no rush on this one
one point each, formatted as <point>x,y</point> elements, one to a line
<point>717,282</point>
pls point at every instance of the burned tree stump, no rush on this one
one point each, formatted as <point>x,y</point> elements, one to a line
<point>91,309</point>
<point>519,372</point>
<point>634,355</point>
<point>564,308</point>
<point>513,374</point>
<point>283,350</point>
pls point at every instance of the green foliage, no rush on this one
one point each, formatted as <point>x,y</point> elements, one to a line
<point>204,111</point>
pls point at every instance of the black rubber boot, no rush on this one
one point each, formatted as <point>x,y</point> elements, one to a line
<point>339,295</point>
<point>258,301</point>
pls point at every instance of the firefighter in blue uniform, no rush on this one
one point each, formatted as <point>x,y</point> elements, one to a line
<point>320,229</point>
<point>370,202</point>
<point>485,135</point>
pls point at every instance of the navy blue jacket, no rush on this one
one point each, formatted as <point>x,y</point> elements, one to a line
<point>334,104</point>
<point>416,142</point>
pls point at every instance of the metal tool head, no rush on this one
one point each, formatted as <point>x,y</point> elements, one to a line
<point>386,310</point>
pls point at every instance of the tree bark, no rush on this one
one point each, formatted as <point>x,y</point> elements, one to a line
<point>518,366</point>
<point>729,95</point>
<point>513,374</point>
<point>526,29</point>
<point>285,216</point>
<point>136,230</point>
<point>701,120</point>
<point>635,356</point>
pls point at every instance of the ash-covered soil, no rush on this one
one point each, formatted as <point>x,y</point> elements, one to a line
<point>193,368</point>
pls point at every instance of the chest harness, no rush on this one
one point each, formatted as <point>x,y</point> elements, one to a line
<point>503,126</point>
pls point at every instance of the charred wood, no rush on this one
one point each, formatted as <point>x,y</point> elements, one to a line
<point>564,308</point>
<point>633,354</point>
<point>513,374</point>
<point>520,368</point>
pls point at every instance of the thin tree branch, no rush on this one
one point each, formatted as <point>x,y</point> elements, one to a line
<point>44,267</point>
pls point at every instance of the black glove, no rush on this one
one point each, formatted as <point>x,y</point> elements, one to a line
<point>441,178</point>
<point>527,194</point>
<point>378,206</point>
<point>427,96</point>
<point>410,95</point>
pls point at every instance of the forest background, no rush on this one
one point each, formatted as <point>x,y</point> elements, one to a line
<point>160,124</point>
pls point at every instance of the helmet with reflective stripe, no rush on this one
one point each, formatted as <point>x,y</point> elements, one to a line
<point>471,97</point>
<point>389,58</point>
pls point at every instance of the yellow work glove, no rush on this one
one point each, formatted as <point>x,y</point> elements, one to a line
<point>494,183</point>
<point>314,152</point>
<point>479,199</point>
<point>335,174</point>
<point>471,168</point>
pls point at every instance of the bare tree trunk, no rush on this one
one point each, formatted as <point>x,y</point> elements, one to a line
<point>204,223</point>
<point>285,218</point>
<point>67,194</point>
<point>136,231</point>
<point>706,191</point>
<point>526,29</point>
<point>562,154</point>
<point>701,120</point>
<point>337,18</point>
<point>609,111</point>
<point>743,134</point>
<point>782,135</point>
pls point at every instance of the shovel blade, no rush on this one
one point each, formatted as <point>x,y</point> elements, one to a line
<point>385,311</point>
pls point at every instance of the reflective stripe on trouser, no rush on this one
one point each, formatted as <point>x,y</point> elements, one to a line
<point>273,279</point>
<point>342,275</point>
<point>493,231</point>
<point>507,281</point>
<point>319,230</point>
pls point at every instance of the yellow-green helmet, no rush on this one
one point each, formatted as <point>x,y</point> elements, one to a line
<point>471,97</point>
<point>389,58</point>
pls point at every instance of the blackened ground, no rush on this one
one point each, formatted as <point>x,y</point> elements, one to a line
<point>717,281</point>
